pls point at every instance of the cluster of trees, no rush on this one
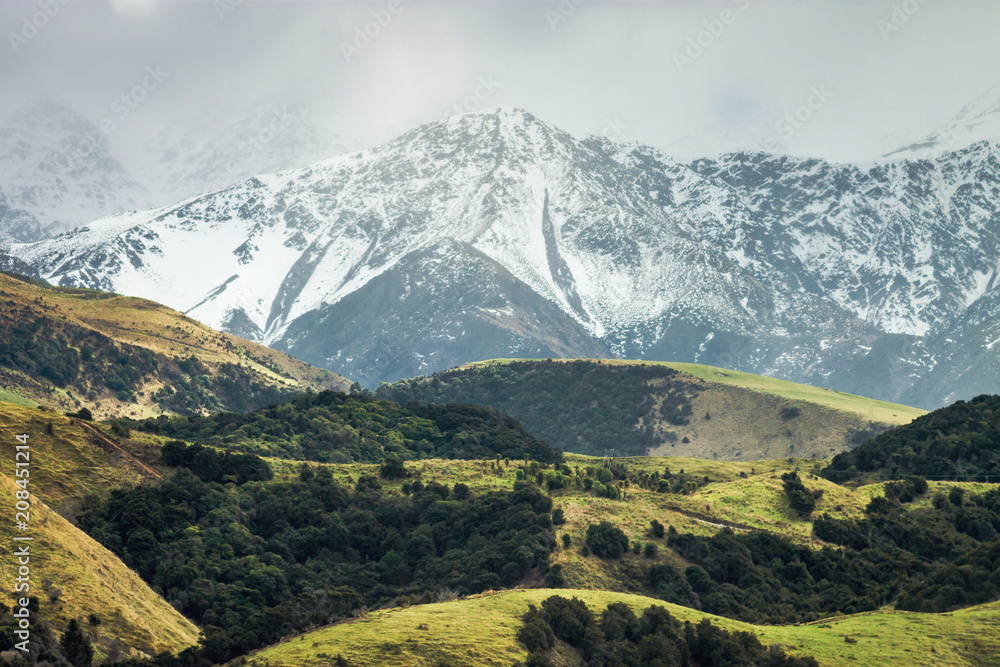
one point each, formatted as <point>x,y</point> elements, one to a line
<point>936,559</point>
<point>613,482</point>
<point>957,540</point>
<point>71,356</point>
<point>655,639</point>
<point>578,406</point>
<point>958,441</point>
<point>193,388</point>
<point>605,540</point>
<point>334,427</point>
<point>254,562</point>
<point>73,648</point>
<point>211,465</point>
<point>800,499</point>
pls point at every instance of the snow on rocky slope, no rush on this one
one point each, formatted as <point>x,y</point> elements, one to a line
<point>496,234</point>
<point>56,166</point>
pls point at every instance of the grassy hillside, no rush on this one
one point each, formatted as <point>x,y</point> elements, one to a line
<point>745,495</point>
<point>442,634</point>
<point>73,576</point>
<point>70,458</point>
<point>639,407</point>
<point>123,356</point>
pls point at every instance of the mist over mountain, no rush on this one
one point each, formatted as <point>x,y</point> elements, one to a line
<point>495,234</point>
<point>56,166</point>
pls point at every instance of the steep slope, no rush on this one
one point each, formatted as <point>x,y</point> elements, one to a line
<point>966,360</point>
<point>906,245</point>
<point>58,167</point>
<point>75,577</point>
<point>71,459</point>
<point>439,633</point>
<point>672,409</point>
<point>126,356</point>
<point>475,305</point>
<point>17,226</point>
<point>978,120</point>
<point>846,275</point>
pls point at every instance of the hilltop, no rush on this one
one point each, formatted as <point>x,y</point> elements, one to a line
<point>330,426</point>
<point>960,441</point>
<point>661,408</point>
<point>124,356</point>
<point>440,634</point>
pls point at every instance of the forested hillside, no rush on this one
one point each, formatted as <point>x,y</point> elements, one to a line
<point>253,563</point>
<point>960,441</point>
<point>340,428</point>
<point>635,408</point>
<point>122,356</point>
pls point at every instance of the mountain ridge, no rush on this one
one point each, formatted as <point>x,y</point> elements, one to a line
<point>789,267</point>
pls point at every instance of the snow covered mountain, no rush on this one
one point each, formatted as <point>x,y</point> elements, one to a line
<point>494,234</point>
<point>978,120</point>
<point>17,225</point>
<point>215,150</point>
<point>56,166</point>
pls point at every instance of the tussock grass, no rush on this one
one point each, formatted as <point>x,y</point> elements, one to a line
<point>66,464</point>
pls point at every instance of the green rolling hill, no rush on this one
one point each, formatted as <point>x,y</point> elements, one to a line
<point>668,409</point>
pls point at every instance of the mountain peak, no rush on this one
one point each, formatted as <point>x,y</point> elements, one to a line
<point>57,166</point>
<point>766,263</point>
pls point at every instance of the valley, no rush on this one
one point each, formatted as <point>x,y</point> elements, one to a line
<point>709,501</point>
<point>500,334</point>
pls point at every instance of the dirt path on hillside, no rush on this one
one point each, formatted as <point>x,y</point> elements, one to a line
<point>107,444</point>
<point>710,520</point>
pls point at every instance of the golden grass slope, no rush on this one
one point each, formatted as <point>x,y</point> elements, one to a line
<point>68,459</point>
<point>746,420</point>
<point>480,631</point>
<point>73,576</point>
<point>149,325</point>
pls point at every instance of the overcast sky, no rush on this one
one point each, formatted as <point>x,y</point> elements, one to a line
<point>623,68</point>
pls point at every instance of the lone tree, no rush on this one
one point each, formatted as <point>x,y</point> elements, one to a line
<point>392,468</point>
<point>76,646</point>
<point>83,413</point>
